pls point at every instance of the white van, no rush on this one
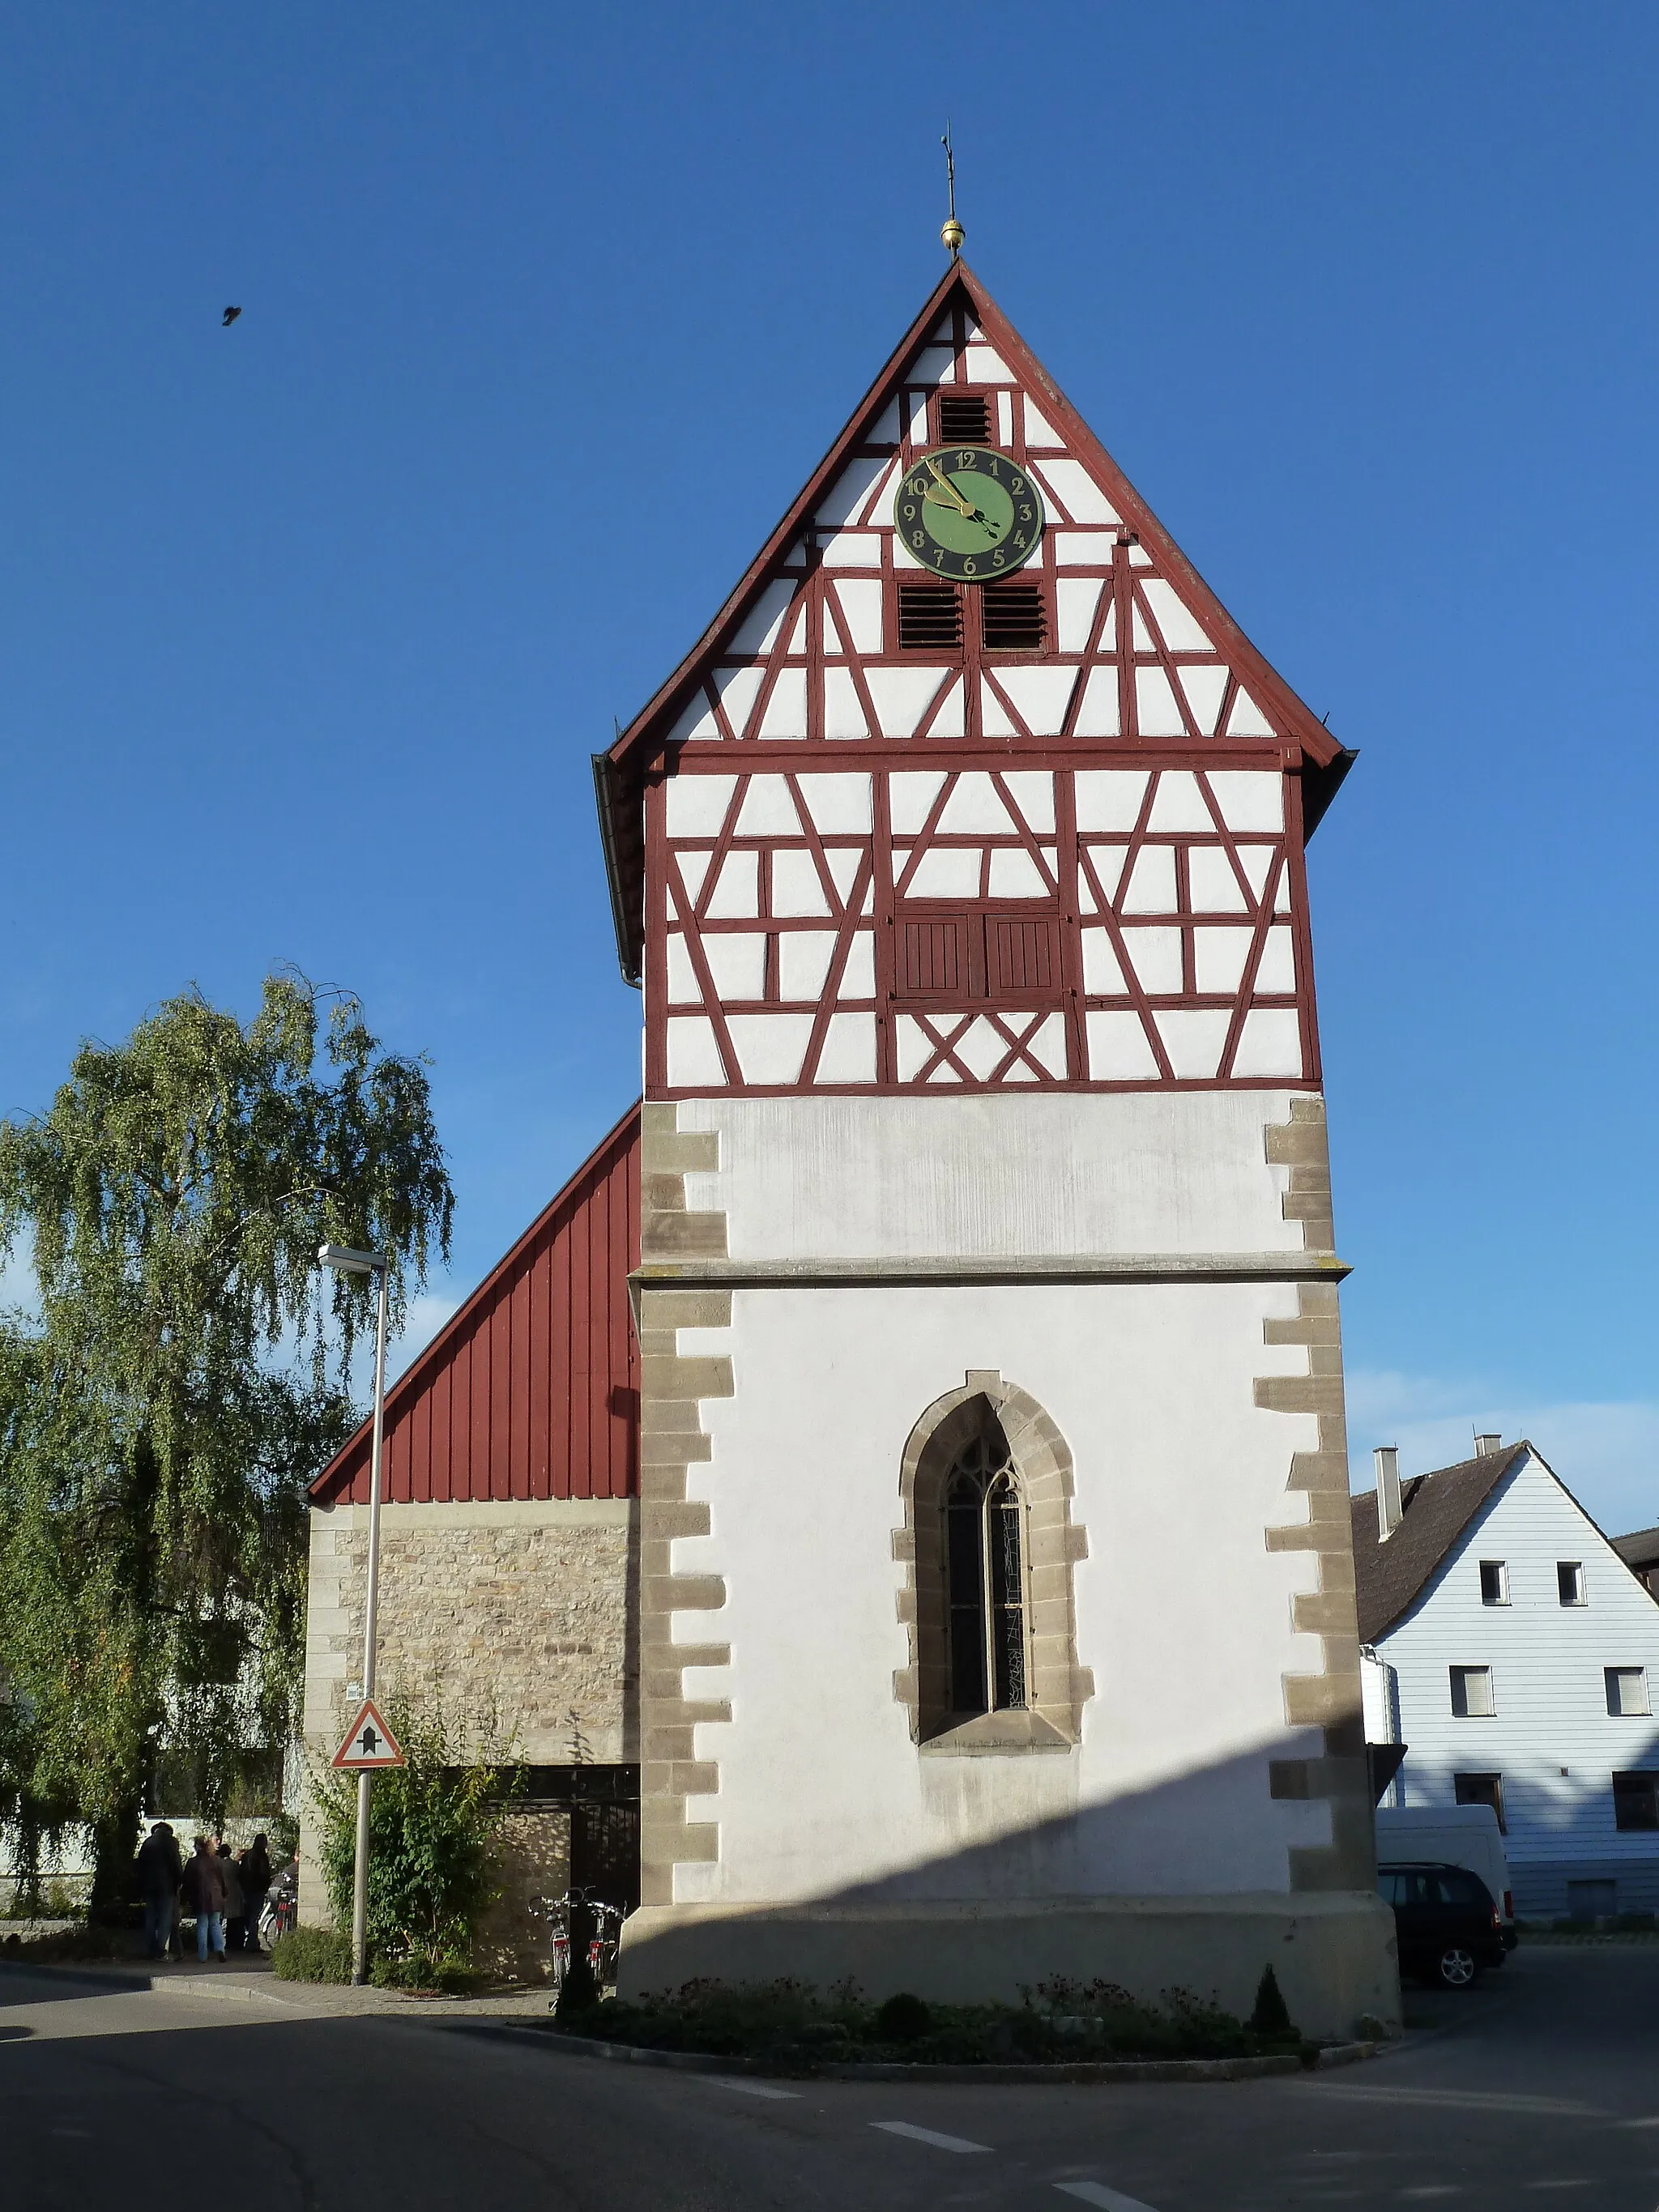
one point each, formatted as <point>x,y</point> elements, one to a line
<point>1449,1835</point>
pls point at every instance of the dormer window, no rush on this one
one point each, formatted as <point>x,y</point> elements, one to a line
<point>965,418</point>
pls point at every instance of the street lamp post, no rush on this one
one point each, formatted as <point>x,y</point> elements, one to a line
<point>344,1261</point>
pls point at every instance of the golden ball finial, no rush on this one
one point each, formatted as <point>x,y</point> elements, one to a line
<point>953,233</point>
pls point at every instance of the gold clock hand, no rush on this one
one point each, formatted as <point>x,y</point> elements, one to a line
<point>948,489</point>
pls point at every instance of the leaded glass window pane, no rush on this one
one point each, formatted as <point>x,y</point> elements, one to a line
<point>984,1564</point>
<point>966,1574</point>
<point>1008,1595</point>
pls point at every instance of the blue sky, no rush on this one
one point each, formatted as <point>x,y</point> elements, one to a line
<point>308,627</point>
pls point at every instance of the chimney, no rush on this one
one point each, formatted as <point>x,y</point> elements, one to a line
<point>1389,1511</point>
<point>1485,1446</point>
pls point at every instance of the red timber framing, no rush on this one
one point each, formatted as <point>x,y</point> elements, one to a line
<point>532,1390</point>
<point>840,859</point>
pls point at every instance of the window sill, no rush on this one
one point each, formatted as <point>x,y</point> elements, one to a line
<point>990,1734</point>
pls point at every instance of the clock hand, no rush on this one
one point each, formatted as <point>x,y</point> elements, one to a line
<point>949,489</point>
<point>945,486</point>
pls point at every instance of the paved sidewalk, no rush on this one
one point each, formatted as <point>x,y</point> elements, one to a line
<point>251,1982</point>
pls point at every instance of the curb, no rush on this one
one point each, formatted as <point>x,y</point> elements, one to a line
<point>1078,2070</point>
<point>1592,1939</point>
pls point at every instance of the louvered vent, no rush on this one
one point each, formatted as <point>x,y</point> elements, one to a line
<point>964,419</point>
<point>929,618</point>
<point>1014,618</point>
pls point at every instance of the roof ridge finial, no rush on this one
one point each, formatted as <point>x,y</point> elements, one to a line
<point>952,233</point>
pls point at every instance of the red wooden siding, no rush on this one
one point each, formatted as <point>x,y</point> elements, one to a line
<point>532,1390</point>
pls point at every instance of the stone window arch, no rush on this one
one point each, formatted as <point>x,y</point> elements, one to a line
<point>989,1546</point>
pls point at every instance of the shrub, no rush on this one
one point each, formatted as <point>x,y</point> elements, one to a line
<point>312,1954</point>
<point>71,1945</point>
<point>433,1826</point>
<point>903,2018</point>
<point>420,1974</point>
<point>1272,2016</point>
<point>790,2027</point>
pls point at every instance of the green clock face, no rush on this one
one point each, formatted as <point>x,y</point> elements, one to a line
<point>967,512</point>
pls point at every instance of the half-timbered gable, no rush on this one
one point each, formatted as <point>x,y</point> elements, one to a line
<point>890,831</point>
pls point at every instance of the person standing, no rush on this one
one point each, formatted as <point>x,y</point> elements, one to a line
<point>205,1895</point>
<point>236,1906</point>
<point>254,1868</point>
<point>158,1874</point>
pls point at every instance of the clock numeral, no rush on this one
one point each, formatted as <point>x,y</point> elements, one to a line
<point>1015,483</point>
<point>909,511</point>
<point>967,459</point>
<point>998,558</point>
<point>970,567</point>
<point>917,537</point>
<point>1025,515</point>
<point>939,558</point>
<point>1020,537</point>
<point>919,487</point>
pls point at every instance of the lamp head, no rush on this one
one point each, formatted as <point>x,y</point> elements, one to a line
<point>346,1262</point>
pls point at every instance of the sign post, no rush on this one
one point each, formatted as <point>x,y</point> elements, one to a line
<point>348,1262</point>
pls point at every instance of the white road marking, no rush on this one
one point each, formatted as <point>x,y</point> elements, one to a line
<point>1458,2101</point>
<point>751,2088</point>
<point>1096,2192</point>
<point>927,2135</point>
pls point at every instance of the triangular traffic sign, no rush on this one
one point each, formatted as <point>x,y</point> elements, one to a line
<point>369,1743</point>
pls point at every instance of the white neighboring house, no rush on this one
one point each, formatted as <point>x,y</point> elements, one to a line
<point>1515,1654</point>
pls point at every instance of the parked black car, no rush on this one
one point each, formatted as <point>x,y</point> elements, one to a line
<point>1446,1924</point>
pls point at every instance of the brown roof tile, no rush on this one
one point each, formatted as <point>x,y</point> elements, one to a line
<point>1639,1549</point>
<point>1390,1577</point>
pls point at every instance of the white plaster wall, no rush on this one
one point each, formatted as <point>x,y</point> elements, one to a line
<point>1547,1660</point>
<point>1032,1175</point>
<point>1183,1614</point>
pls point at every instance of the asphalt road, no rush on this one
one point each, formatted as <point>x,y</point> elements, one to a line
<point>1542,2085</point>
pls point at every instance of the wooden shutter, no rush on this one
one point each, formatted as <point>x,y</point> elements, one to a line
<point>935,957</point>
<point>962,959</point>
<point>1022,957</point>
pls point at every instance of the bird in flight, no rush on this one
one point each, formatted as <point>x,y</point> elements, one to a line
<point>231,314</point>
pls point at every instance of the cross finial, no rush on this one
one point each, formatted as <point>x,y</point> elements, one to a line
<point>952,233</point>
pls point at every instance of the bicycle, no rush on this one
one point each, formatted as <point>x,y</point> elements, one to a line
<point>559,1912</point>
<point>556,1911</point>
<point>281,1913</point>
<point>603,1947</point>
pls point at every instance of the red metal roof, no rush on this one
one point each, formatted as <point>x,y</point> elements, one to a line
<point>532,1388</point>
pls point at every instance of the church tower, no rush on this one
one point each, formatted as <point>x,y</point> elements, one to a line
<point>996,1608</point>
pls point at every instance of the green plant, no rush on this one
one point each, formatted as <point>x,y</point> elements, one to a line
<point>185,1375</point>
<point>1272,2017</point>
<point>434,1824</point>
<point>903,2018</point>
<point>788,2026</point>
<point>312,1954</point>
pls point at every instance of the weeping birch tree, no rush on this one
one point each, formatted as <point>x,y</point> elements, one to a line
<point>184,1376</point>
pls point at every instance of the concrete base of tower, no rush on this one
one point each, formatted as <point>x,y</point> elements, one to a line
<point>1333,1952</point>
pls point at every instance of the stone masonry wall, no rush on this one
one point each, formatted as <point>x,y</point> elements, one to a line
<point>522,1616</point>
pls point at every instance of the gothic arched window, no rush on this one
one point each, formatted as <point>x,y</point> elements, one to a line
<point>985,1553</point>
<point>989,1546</point>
